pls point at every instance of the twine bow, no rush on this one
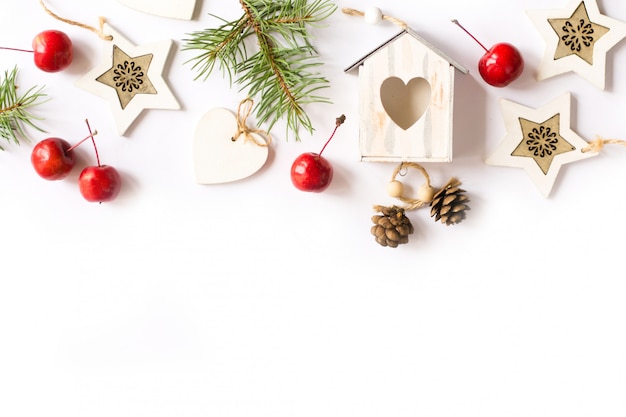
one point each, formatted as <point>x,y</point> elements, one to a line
<point>243,112</point>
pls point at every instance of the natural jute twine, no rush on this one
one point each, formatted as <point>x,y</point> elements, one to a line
<point>354,12</point>
<point>243,112</point>
<point>598,144</point>
<point>413,203</point>
<point>98,31</point>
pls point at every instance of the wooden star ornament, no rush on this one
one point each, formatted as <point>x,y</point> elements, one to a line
<point>130,78</point>
<point>540,141</point>
<point>578,39</point>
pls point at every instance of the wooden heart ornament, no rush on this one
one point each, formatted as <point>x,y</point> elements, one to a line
<point>176,9</point>
<point>219,157</point>
<point>405,103</point>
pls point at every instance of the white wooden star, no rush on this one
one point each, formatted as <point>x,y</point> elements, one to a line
<point>578,39</point>
<point>540,141</point>
<point>130,78</point>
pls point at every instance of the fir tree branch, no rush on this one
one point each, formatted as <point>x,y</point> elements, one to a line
<point>283,70</point>
<point>15,112</point>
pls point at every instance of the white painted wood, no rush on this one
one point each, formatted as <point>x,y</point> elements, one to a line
<point>164,99</point>
<point>595,73</point>
<point>176,9</point>
<point>512,112</point>
<point>220,159</point>
<point>430,137</point>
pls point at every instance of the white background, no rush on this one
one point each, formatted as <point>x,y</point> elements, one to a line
<point>256,299</point>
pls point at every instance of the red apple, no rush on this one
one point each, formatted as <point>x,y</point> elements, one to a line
<point>53,158</point>
<point>500,65</point>
<point>311,171</point>
<point>52,50</point>
<point>100,183</point>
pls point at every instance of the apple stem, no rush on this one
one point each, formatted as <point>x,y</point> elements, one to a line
<point>91,135</point>
<point>456,22</point>
<point>93,141</point>
<point>16,49</point>
<point>338,122</point>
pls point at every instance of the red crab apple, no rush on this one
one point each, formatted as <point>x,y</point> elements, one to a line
<point>53,158</point>
<point>52,50</point>
<point>99,183</point>
<point>311,171</point>
<point>500,65</point>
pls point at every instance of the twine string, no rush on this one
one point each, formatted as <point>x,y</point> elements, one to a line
<point>98,31</point>
<point>598,144</point>
<point>243,112</point>
<point>402,169</point>
<point>354,12</point>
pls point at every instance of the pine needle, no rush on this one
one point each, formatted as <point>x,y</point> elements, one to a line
<point>15,113</point>
<point>283,71</point>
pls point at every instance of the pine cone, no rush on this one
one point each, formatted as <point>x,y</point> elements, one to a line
<point>392,227</point>
<point>450,203</point>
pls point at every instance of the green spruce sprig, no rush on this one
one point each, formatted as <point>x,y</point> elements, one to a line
<point>283,69</point>
<point>15,112</point>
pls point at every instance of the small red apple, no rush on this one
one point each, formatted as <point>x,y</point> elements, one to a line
<point>100,183</point>
<point>52,50</point>
<point>53,158</point>
<point>500,65</point>
<point>311,171</point>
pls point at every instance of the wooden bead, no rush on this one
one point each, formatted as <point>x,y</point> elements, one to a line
<point>426,193</point>
<point>373,15</point>
<point>395,189</point>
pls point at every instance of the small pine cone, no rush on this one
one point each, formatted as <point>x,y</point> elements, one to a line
<point>450,204</point>
<point>391,227</point>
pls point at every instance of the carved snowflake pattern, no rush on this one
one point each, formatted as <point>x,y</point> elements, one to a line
<point>128,76</point>
<point>542,141</point>
<point>577,36</point>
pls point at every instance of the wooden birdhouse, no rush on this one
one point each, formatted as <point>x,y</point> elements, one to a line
<point>406,89</point>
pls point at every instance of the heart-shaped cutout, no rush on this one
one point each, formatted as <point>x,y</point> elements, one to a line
<point>176,9</point>
<point>220,158</point>
<point>405,103</point>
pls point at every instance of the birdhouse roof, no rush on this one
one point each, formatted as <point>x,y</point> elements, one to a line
<point>411,32</point>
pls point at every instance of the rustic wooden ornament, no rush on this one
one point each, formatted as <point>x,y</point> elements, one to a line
<point>448,205</point>
<point>225,150</point>
<point>175,9</point>
<point>406,89</point>
<point>540,141</point>
<point>578,39</point>
<point>130,78</point>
